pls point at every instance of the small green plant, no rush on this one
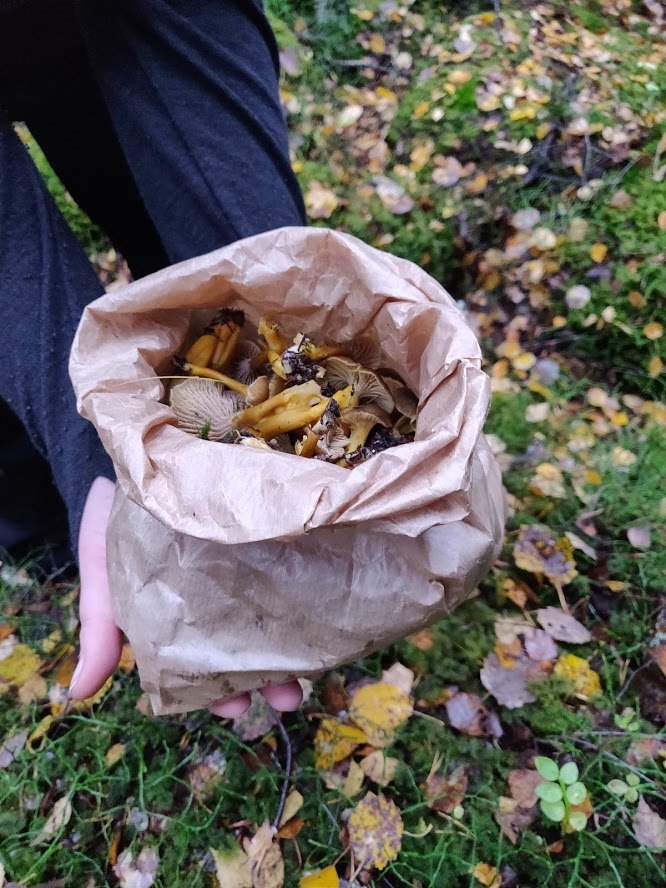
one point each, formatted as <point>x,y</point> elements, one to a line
<point>625,789</point>
<point>560,792</point>
<point>627,720</point>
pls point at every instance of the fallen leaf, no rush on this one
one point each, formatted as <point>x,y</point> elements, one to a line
<point>59,817</point>
<point>525,220</point>
<point>620,200</point>
<point>114,754</point>
<point>257,720</point>
<point>21,663</point>
<point>320,201</point>
<point>653,330</point>
<point>510,629</point>
<point>537,412</point>
<point>334,697</point>
<point>422,640</point>
<point>598,252</point>
<point>206,774</point>
<point>291,828</point>
<point>42,729</point>
<point>581,545</point>
<point>379,768</point>
<point>512,818</point>
<point>32,689</point>
<point>232,868</point>
<point>392,195</point>
<point>400,676</point>
<point>538,551</point>
<point>326,878</point>
<point>448,172</point>
<point>639,536</point>
<point>548,481</point>
<point>562,627</point>
<point>375,831</point>
<point>137,874</point>
<point>649,827</point>
<point>11,747</point>
<point>583,679</point>
<point>645,750</point>
<point>265,858</point>
<point>334,741</point>
<point>353,781</point>
<point>578,296</point>
<point>487,875</point>
<point>378,709</point>
<point>508,685</point>
<point>522,785</point>
<point>539,645</point>
<point>658,654</point>
<point>292,805</point>
<point>446,792</point>
<point>467,713</point>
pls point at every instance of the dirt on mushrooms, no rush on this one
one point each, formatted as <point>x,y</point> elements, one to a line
<point>325,401</point>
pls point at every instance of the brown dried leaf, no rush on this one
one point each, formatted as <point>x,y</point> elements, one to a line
<point>508,685</point>
<point>379,768</point>
<point>375,831</point>
<point>649,827</point>
<point>645,750</point>
<point>561,626</point>
<point>467,713</point>
<point>265,858</point>
<point>512,818</point>
<point>257,720</point>
<point>445,792</point>
<point>522,783</point>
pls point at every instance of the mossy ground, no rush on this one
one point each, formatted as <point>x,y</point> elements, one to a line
<point>146,797</point>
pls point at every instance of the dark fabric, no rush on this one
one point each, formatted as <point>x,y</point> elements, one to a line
<point>163,120</point>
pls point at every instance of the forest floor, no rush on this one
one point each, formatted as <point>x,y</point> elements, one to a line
<point>518,154</point>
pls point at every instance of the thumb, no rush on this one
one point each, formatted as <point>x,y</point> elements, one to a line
<point>100,639</point>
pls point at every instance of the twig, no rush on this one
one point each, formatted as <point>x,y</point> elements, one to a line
<point>631,677</point>
<point>287,770</point>
<point>498,17</point>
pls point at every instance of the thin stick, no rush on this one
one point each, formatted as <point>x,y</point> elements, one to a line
<point>287,771</point>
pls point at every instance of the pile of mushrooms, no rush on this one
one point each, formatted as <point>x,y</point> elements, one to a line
<point>328,402</point>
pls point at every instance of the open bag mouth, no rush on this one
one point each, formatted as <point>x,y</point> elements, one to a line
<point>312,280</point>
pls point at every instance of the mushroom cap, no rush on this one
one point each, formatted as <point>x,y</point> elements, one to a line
<point>367,385</point>
<point>405,401</point>
<point>365,413</point>
<point>365,350</point>
<point>243,370</point>
<point>200,403</point>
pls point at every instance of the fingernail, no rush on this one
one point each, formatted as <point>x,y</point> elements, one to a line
<point>75,677</point>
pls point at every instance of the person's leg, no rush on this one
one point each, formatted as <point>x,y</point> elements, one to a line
<point>47,82</point>
<point>46,282</point>
<point>192,89</point>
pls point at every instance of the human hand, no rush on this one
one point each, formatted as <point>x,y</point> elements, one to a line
<point>100,638</point>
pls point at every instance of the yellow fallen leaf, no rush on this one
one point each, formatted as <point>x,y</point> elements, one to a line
<point>579,674</point>
<point>655,366</point>
<point>114,753</point>
<point>377,44</point>
<point>353,781</point>
<point>326,878</point>
<point>598,252</point>
<point>334,741</point>
<point>292,806</point>
<point>265,858</point>
<point>51,642</point>
<point>653,330</point>
<point>375,831</point>
<point>661,220</point>
<point>487,875</point>
<point>320,201</point>
<point>33,688</point>
<point>421,110</point>
<point>42,729</point>
<point>378,709</point>
<point>636,299</point>
<point>19,665</point>
<point>127,659</point>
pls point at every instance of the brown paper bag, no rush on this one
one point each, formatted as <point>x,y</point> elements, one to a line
<point>231,567</point>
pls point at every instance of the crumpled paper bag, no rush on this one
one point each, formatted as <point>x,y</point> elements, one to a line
<point>232,568</point>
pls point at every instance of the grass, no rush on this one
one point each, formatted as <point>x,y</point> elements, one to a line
<point>609,450</point>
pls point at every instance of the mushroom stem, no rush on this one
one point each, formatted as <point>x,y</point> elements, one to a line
<point>298,396</point>
<point>271,332</point>
<point>288,420</point>
<point>308,445</point>
<point>208,373</point>
<point>359,434</point>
